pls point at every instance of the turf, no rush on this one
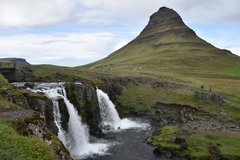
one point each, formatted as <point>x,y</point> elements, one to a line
<point>14,146</point>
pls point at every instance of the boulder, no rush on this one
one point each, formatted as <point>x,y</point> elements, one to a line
<point>157,151</point>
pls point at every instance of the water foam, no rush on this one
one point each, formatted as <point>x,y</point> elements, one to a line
<point>110,118</point>
<point>76,138</point>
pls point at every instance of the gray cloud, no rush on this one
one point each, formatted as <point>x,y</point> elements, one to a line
<point>80,48</point>
<point>25,13</point>
<point>55,49</point>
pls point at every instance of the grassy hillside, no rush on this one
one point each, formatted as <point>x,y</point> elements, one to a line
<point>14,146</point>
<point>168,64</point>
<point>170,51</point>
<point>167,45</point>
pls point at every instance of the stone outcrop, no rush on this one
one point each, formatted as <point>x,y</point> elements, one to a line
<point>20,62</point>
<point>211,96</point>
<point>32,101</point>
<point>85,100</point>
<point>64,114</point>
<point>35,120</point>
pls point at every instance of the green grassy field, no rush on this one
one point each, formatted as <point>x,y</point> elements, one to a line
<point>198,142</point>
<point>14,146</point>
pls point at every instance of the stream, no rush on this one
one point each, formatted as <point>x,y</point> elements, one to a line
<point>124,137</point>
<point>129,145</point>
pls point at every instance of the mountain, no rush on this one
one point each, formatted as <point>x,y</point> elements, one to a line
<point>168,44</point>
<point>20,62</point>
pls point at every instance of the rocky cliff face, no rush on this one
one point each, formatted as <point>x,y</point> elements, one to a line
<point>39,103</point>
<point>35,120</point>
<point>85,100</point>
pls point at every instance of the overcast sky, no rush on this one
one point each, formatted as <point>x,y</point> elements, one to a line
<point>77,32</point>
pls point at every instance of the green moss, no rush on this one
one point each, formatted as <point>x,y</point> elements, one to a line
<point>200,144</point>
<point>228,143</point>
<point>142,98</point>
<point>235,71</point>
<point>3,81</point>
<point>166,137</point>
<point>14,146</point>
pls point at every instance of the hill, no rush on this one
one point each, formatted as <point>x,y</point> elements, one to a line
<point>189,89</point>
<point>167,44</point>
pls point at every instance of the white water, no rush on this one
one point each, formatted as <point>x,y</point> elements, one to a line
<point>76,139</point>
<point>110,118</point>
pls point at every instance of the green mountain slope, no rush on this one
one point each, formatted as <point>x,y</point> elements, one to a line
<point>167,44</point>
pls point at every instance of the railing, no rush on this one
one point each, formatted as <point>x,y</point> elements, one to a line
<point>7,65</point>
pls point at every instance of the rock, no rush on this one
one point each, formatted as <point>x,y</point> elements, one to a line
<point>49,118</point>
<point>29,85</point>
<point>109,136</point>
<point>20,62</point>
<point>149,140</point>
<point>179,140</point>
<point>184,146</point>
<point>223,112</point>
<point>157,151</point>
<point>84,98</point>
<point>216,97</point>
<point>64,114</point>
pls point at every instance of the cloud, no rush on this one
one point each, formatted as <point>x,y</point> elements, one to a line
<point>31,13</point>
<point>78,48</point>
<point>15,13</point>
<point>74,32</point>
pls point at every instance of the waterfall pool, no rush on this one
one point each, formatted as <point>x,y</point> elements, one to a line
<point>124,138</point>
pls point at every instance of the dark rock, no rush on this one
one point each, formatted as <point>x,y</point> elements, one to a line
<point>216,97</point>
<point>29,85</point>
<point>109,136</point>
<point>149,140</point>
<point>64,114</point>
<point>184,146</point>
<point>84,98</point>
<point>38,104</point>
<point>179,140</point>
<point>157,151</point>
<point>49,119</point>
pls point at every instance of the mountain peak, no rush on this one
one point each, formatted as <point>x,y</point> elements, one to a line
<point>166,43</point>
<point>164,22</point>
<point>165,16</point>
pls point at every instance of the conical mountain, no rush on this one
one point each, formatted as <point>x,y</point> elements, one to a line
<point>168,44</point>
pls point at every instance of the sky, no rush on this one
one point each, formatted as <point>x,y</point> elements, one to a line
<point>78,32</point>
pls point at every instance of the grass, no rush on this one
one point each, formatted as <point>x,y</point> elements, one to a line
<point>143,97</point>
<point>234,71</point>
<point>3,81</point>
<point>14,146</point>
<point>228,143</point>
<point>198,142</point>
<point>166,138</point>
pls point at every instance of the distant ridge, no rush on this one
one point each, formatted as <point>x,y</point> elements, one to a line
<point>20,62</point>
<point>167,43</point>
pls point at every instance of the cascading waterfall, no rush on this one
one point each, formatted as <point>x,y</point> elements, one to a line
<point>110,118</point>
<point>76,139</point>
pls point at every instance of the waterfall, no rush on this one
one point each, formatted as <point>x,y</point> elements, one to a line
<point>76,139</point>
<point>110,118</point>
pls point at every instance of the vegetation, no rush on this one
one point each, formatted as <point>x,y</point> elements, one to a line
<point>200,144</point>
<point>184,67</point>
<point>14,146</point>
<point>3,81</point>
